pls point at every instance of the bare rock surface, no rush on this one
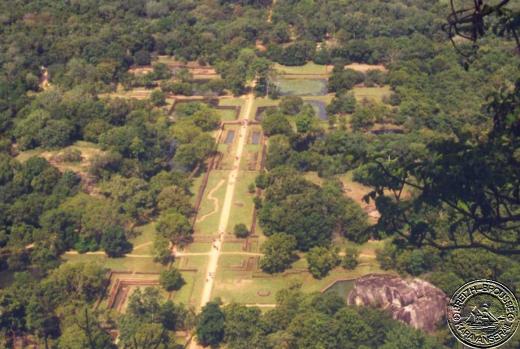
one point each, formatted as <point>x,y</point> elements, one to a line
<point>412,301</point>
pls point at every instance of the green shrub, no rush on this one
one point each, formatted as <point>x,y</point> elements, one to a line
<point>241,230</point>
<point>350,260</point>
<point>171,280</point>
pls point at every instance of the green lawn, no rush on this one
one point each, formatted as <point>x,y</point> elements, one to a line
<point>354,190</point>
<point>88,151</point>
<point>226,114</point>
<point>228,151</point>
<point>239,285</point>
<point>265,102</point>
<point>310,68</point>
<point>27,154</point>
<point>371,93</point>
<point>250,156</point>
<point>143,241</point>
<point>237,246</point>
<point>198,247</point>
<point>312,176</point>
<point>195,186</point>
<point>242,207</point>
<point>327,98</point>
<point>191,292</point>
<point>139,264</point>
<point>234,101</point>
<point>302,87</point>
<point>208,207</point>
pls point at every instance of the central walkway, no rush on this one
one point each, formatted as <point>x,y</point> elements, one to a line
<point>216,249</point>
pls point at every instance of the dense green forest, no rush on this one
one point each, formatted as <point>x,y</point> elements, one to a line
<point>306,321</point>
<point>446,185</point>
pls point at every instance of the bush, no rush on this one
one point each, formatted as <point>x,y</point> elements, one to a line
<point>387,255</point>
<point>416,262</point>
<point>321,260</point>
<point>342,80</point>
<point>158,98</point>
<point>257,202</point>
<point>68,155</point>
<point>142,57</point>
<point>276,123</point>
<point>350,261</point>
<point>447,281</point>
<point>291,105</point>
<point>94,128</point>
<point>261,181</point>
<point>178,88</point>
<point>86,244</point>
<point>211,325</point>
<point>394,99</point>
<point>105,164</point>
<point>342,103</point>
<point>217,86</point>
<point>161,250</point>
<point>114,242</point>
<point>171,280</point>
<point>161,71</point>
<point>297,53</point>
<point>241,231</point>
<point>278,253</point>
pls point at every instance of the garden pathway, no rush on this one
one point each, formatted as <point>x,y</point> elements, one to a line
<point>226,206</point>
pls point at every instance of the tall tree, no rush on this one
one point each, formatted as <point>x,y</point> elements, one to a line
<point>210,325</point>
<point>175,227</point>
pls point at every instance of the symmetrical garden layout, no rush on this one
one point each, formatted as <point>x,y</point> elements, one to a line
<point>216,263</point>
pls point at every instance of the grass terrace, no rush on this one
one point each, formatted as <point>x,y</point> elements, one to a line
<point>239,280</point>
<point>137,264</point>
<point>372,93</point>
<point>301,87</point>
<point>209,212</point>
<point>242,206</point>
<point>143,240</point>
<point>310,68</point>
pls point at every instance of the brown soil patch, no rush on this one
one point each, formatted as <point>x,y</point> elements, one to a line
<point>365,67</point>
<point>141,70</point>
<point>356,192</point>
<point>260,47</point>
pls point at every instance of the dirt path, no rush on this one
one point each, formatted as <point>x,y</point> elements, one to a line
<point>102,253</point>
<point>187,254</point>
<point>177,254</point>
<point>142,245</point>
<point>253,254</point>
<point>214,199</point>
<point>226,207</point>
<point>261,305</point>
<point>270,15</point>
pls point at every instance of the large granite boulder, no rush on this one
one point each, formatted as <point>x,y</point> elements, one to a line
<point>414,302</point>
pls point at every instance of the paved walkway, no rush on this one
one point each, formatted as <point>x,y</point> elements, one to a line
<point>237,253</point>
<point>226,208</point>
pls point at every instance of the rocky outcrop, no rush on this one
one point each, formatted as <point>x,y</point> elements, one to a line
<point>414,302</point>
